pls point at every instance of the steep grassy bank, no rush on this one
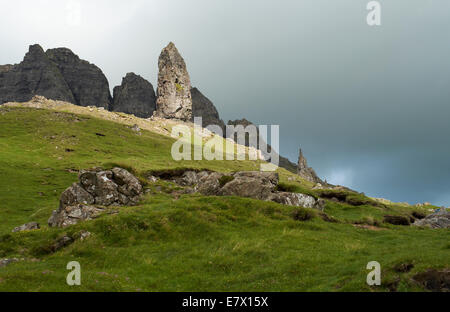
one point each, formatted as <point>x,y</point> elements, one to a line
<point>193,243</point>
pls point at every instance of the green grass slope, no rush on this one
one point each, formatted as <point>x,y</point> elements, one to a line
<point>191,243</point>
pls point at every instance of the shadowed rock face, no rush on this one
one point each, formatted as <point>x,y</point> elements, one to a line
<point>174,86</point>
<point>203,107</point>
<point>134,96</point>
<point>86,81</point>
<point>35,75</point>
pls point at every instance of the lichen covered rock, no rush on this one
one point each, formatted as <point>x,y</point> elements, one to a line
<point>96,190</point>
<point>174,98</point>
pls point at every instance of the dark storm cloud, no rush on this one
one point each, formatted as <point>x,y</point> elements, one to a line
<point>369,105</point>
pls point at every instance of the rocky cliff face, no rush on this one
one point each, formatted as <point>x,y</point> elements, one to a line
<point>86,81</point>
<point>57,74</point>
<point>134,96</point>
<point>174,86</point>
<point>203,107</point>
<point>306,172</point>
<point>35,75</point>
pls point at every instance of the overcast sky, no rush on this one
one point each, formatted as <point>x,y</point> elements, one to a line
<point>368,105</point>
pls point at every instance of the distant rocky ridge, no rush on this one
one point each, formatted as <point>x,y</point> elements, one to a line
<point>35,75</point>
<point>59,74</point>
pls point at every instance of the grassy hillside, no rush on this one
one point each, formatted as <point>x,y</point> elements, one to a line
<point>191,243</point>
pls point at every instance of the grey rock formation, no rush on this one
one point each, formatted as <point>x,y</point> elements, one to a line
<point>114,187</point>
<point>174,86</point>
<point>35,75</point>
<point>258,185</point>
<point>306,172</point>
<point>436,220</point>
<point>27,227</point>
<point>73,214</point>
<point>86,81</point>
<point>203,107</point>
<point>134,96</point>
<point>250,184</point>
<point>298,199</point>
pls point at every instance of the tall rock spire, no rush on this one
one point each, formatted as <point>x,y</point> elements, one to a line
<point>306,172</point>
<point>174,98</point>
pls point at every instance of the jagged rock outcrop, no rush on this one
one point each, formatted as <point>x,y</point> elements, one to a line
<point>283,161</point>
<point>134,96</point>
<point>437,220</point>
<point>86,81</point>
<point>250,184</point>
<point>174,86</point>
<point>35,75</point>
<point>258,185</point>
<point>57,74</point>
<point>306,172</point>
<point>96,188</point>
<point>203,107</point>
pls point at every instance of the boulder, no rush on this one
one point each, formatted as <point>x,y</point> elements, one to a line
<point>116,187</point>
<point>129,185</point>
<point>436,220</point>
<point>209,184</point>
<point>105,190</point>
<point>134,96</point>
<point>174,100</point>
<point>70,215</point>
<point>189,178</point>
<point>27,227</point>
<point>253,184</point>
<point>35,75</point>
<point>86,81</point>
<point>75,194</point>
